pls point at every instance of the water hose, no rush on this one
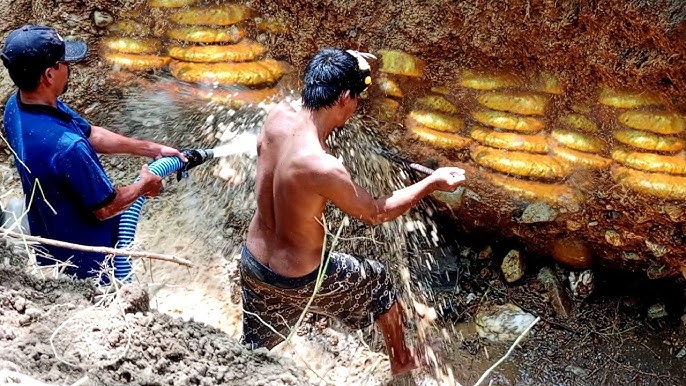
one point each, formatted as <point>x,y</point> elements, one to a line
<point>129,219</point>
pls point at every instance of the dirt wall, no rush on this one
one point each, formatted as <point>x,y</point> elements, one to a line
<point>632,44</point>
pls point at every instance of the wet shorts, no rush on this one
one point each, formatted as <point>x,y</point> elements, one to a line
<point>353,291</point>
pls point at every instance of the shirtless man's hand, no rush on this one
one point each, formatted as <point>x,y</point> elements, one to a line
<point>447,179</point>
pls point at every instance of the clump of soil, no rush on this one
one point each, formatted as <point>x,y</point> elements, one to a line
<point>110,347</point>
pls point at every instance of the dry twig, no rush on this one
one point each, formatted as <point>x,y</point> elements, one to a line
<point>103,250</point>
<point>507,354</point>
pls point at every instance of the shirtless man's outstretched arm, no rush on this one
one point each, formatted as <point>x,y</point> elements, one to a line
<point>332,180</point>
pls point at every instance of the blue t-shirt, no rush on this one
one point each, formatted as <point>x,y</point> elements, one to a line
<point>57,162</point>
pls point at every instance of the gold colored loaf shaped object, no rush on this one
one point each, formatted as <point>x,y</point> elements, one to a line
<point>510,141</point>
<point>581,159</point>
<point>171,3</point>
<point>389,87</point>
<point>554,194</point>
<point>243,51</point>
<point>129,45</point>
<point>651,162</point>
<point>135,62</point>
<point>508,121</point>
<point>659,185</point>
<point>627,99</point>
<point>437,121</point>
<point>438,138</point>
<point>128,27</point>
<point>519,103</point>
<point>438,103</point>
<point>649,141</point>
<point>486,82</point>
<point>223,15</point>
<point>257,73</point>
<point>201,34</point>
<point>579,122</point>
<point>401,63</point>
<point>658,122</point>
<point>519,163</point>
<point>545,82</point>
<point>578,141</point>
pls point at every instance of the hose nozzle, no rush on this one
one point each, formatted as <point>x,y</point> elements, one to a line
<point>195,157</point>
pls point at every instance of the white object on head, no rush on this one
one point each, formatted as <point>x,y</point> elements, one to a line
<point>362,59</point>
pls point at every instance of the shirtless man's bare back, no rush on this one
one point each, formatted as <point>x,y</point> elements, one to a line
<point>296,177</point>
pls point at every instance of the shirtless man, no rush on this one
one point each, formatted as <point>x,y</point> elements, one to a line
<point>296,177</point>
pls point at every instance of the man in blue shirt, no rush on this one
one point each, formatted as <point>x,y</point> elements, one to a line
<point>69,196</point>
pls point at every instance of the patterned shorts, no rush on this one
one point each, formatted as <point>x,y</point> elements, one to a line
<point>353,291</point>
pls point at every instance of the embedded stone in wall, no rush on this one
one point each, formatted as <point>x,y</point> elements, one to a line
<point>513,266</point>
<point>401,63</point>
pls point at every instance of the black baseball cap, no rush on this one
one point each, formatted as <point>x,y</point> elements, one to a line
<point>39,47</point>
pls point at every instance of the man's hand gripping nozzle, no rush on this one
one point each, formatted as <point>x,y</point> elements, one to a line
<point>195,157</point>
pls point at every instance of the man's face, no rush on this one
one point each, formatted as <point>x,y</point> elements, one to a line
<point>58,75</point>
<point>65,71</point>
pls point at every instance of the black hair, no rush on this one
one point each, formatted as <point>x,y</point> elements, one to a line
<point>328,75</point>
<point>26,78</point>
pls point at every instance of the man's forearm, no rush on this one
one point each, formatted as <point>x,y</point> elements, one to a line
<point>108,142</point>
<point>125,196</point>
<point>402,200</point>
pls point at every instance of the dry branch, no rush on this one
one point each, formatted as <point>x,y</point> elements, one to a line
<point>103,250</point>
<point>507,354</point>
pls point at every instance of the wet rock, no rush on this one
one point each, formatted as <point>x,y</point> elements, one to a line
<point>472,195</point>
<point>578,371</point>
<point>452,199</point>
<point>24,320</point>
<point>573,253</point>
<point>613,215</point>
<point>134,298</point>
<point>657,271</point>
<point>657,249</point>
<point>486,253</point>
<point>573,225</point>
<point>582,284</point>
<point>102,19</point>
<point>513,266</point>
<point>657,311</point>
<point>537,212</point>
<point>557,295</point>
<point>19,304</point>
<point>502,323</point>
<point>673,211</point>
<point>632,256</point>
<point>613,238</point>
<point>34,313</point>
